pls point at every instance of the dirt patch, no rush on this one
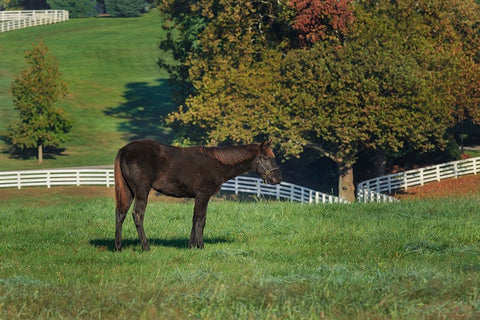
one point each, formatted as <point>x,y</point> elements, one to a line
<point>455,187</point>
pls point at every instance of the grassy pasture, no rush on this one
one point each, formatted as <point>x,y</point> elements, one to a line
<point>117,92</point>
<point>263,260</point>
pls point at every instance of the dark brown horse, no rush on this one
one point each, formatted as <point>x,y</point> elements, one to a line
<point>196,172</point>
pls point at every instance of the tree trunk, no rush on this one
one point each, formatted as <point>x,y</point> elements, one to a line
<point>346,188</point>
<point>40,154</point>
<point>380,162</point>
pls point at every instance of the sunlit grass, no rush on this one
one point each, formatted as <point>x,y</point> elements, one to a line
<point>410,260</point>
<point>117,91</point>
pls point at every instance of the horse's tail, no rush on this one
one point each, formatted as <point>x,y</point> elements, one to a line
<point>120,187</point>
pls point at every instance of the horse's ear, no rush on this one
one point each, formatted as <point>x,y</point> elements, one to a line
<point>266,150</point>
<point>266,143</point>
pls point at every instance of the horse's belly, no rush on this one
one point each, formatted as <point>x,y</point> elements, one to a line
<point>173,190</point>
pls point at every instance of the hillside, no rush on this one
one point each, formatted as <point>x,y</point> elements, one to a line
<point>117,92</point>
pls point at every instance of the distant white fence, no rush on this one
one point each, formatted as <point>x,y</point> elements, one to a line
<point>12,20</point>
<point>283,190</point>
<point>373,190</point>
<point>105,177</point>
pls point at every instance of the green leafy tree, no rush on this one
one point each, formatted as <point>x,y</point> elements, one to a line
<point>221,66</point>
<point>125,8</point>
<point>436,43</point>
<point>23,4</point>
<point>183,25</point>
<point>35,90</point>
<point>76,8</point>
<point>384,84</point>
<point>456,28</point>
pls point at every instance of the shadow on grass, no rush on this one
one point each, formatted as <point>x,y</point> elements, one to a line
<point>27,154</point>
<point>144,111</point>
<point>179,243</point>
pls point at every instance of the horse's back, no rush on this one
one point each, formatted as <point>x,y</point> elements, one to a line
<point>167,169</point>
<point>144,158</point>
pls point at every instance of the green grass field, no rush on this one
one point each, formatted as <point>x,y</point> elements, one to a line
<point>263,260</point>
<point>117,91</point>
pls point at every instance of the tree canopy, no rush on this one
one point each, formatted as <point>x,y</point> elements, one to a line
<point>340,77</point>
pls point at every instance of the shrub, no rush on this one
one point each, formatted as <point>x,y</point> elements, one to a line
<point>76,8</point>
<point>125,8</point>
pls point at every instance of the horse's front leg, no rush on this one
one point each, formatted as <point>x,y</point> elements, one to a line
<point>198,223</point>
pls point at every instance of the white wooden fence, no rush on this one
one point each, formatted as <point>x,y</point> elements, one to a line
<point>12,20</point>
<point>283,190</point>
<point>373,190</point>
<point>105,177</point>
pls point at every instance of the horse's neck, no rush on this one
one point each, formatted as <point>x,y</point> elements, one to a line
<point>231,171</point>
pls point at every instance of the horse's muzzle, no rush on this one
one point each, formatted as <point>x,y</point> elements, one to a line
<point>272,176</point>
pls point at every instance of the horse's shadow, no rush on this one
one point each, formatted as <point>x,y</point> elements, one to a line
<point>178,243</point>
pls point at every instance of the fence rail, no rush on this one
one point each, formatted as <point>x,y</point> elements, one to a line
<point>280,191</point>
<point>12,20</point>
<point>105,177</point>
<point>373,190</point>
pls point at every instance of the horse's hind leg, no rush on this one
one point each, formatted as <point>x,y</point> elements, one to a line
<point>120,217</point>
<point>138,216</point>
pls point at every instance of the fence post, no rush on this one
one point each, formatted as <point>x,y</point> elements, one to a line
<point>19,181</point>
<point>278,191</point>
<point>48,179</point>
<point>236,185</point>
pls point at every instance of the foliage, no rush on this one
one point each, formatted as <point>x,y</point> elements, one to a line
<point>35,90</point>
<point>183,25</point>
<point>125,8</point>
<point>186,23</point>
<point>23,4</point>
<point>237,37</point>
<point>322,20</point>
<point>457,28</point>
<point>356,84</point>
<point>263,260</point>
<point>76,8</point>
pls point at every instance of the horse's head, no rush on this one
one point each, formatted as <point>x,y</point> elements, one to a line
<point>266,166</point>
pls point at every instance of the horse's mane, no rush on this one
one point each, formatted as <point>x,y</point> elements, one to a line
<point>231,155</point>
